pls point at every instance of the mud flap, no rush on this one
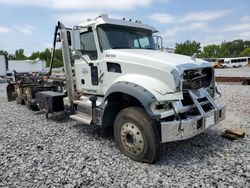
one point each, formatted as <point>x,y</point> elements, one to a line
<point>11,95</point>
<point>3,90</point>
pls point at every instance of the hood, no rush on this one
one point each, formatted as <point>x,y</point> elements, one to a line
<point>155,59</point>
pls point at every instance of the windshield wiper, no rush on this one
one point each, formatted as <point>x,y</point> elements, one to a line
<point>122,47</point>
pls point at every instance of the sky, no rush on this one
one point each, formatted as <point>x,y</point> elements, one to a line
<point>29,24</point>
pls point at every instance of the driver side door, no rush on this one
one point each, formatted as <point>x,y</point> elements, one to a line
<point>87,68</point>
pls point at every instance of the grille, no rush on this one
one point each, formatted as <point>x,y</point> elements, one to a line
<point>197,78</point>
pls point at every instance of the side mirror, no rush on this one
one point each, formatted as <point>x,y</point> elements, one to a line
<point>76,44</point>
<point>76,54</point>
<point>158,42</point>
<point>75,40</point>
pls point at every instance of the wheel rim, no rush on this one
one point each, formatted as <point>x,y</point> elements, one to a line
<point>28,96</point>
<point>18,92</point>
<point>18,95</point>
<point>132,138</point>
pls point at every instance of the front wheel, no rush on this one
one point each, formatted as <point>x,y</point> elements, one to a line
<point>136,135</point>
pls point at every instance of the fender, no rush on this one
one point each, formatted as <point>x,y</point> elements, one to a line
<point>138,92</point>
<point>145,89</point>
<point>161,90</point>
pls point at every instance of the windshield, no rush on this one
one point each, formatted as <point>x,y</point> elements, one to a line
<point>123,37</point>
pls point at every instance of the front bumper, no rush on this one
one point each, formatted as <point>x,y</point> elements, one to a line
<point>193,125</point>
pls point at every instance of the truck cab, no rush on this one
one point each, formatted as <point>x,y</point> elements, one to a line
<point>123,82</point>
<point>105,44</point>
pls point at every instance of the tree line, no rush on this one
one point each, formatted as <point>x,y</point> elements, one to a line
<point>236,48</point>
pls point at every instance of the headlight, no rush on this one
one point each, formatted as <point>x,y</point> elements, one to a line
<point>177,77</point>
<point>159,107</point>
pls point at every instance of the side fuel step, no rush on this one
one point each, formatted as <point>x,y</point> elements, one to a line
<point>86,119</point>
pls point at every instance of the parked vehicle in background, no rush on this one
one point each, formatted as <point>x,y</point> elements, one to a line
<point>9,69</point>
<point>235,62</point>
<point>24,78</point>
<point>3,66</point>
<point>25,66</point>
<point>215,62</point>
<point>218,62</point>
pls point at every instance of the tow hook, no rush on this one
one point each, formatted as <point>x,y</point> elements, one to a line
<point>180,129</point>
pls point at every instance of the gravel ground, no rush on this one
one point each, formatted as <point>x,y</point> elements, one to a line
<point>65,153</point>
<point>237,72</point>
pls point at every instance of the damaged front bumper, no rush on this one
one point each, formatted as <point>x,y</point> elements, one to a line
<point>191,125</point>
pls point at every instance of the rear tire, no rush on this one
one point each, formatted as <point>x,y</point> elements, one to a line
<point>19,99</point>
<point>28,99</point>
<point>137,136</point>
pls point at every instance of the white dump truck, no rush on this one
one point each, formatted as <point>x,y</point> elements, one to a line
<point>21,67</point>
<point>8,68</point>
<point>11,72</point>
<point>27,66</point>
<point>147,96</point>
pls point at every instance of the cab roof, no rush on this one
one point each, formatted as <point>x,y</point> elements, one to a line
<point>104,19</point>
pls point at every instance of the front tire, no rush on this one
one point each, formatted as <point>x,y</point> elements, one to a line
<point>137,136</point>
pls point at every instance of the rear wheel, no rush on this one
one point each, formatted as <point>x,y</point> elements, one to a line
<point>28,99</point>
<point>136,135</point>
<point>19,99</point>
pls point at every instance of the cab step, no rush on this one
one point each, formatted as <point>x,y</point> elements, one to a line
<point>86,119</point>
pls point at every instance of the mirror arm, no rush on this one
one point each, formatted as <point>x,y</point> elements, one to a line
<point>90,64</point>
<point>76,55</point>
